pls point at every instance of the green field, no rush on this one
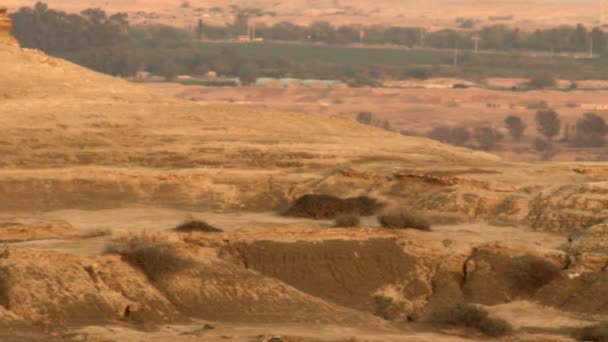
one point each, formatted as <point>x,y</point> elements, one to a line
<point>330,54</point>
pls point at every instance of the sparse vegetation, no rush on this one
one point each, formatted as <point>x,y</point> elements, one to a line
<point>404,220</point>
<point>347,220</point>
<point>453,135</point>
<point>387,308</point>
<point>150,253</point>
<point>531,272</point>
<point>330,207</point>
<point>196,226</point>
<point>542,80</point>
<point>471,316</point>
<point>594,333</point>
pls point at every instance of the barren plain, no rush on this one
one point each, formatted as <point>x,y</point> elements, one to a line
<point>436,15</point>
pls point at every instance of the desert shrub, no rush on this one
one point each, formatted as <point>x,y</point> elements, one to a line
<point>330,207</point>
<point>387,308</point>
<point>542,80</point>
<point>471,316</point>
<point>538,105</point>
<point>596,333</point>
<point>404,220</point>
<point>516,126</point>
<point>531,272</point>
<point>196,226</point>
<point>487,137</point>
<point>347,220</point>
<point>365,118</point>
<point>149,253</point>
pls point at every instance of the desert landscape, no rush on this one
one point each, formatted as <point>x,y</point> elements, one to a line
<point>441,14</point>
<point>163,212</point>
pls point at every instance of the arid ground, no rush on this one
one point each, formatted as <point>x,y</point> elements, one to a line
<point>416,107</point>
<point>436,15</point>
<point>89,161</point>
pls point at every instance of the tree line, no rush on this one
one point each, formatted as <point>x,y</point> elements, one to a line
<point>109,44</point>
<point>496,37</point>
<point>590,130</point>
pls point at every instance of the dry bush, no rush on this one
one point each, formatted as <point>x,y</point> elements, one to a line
<point>196,226</point>
<point>330,207</point>
<point>387,308</point>
<point>347,220</point>
<point>404,220</point>
<point>150,253</point>
<point>596,333</point>
<point>531,272</point>
<point>471,316</point>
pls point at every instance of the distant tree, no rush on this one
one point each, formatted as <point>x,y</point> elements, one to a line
<point>541,145</point>
<point>487,137</point>
<point>591,131</point>
<point>599,40</point>
<point>453,135</point>
<point>248,73</point>
<point>548,123</point>
<point>516,126</point>
<point>170,70</point>
<point>386,125</point>
<point>460,135</point>
<point>542,80</point>
<point>545,148</point>
<point>578,38</point>
<point>199,29</point>
<point>365,118</point>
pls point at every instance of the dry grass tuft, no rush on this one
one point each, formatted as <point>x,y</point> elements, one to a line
<point>330,207</point>
<point>595,333</point>
<point>471,316</point>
